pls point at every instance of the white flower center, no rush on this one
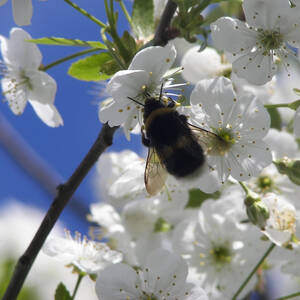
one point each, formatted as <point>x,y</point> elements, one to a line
<point>222,143</point>
<point>221,255</point>
<point>284,220</point>
<point>265,184</point>
<point>269,40</point>
<point>17,82</point>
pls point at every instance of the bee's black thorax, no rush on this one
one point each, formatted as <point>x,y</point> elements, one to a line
<point>169,134</point>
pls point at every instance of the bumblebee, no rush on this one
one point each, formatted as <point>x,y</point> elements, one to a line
<point>175,146</point>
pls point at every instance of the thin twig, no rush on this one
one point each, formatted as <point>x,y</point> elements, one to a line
<point>269,250</point>
<point>65,191</point>
<point>161,37</point>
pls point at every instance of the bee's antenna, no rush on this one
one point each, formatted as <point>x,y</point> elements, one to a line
<point>161,90</point>
<point>136,101</point>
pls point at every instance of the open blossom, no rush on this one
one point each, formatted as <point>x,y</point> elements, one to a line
<point>142,79</point>
<point>281,225</point>
<point>22,80</point>
<point>22,11</point>
<point>162,277</point>
<point>239,125</point>
<point>218,247</point>
<point>271,29</point>
<point>120,177</point>
<point>88,256</point>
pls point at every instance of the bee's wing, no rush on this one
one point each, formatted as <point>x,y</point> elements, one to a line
<point>204,137</point>
<point>155,173</point>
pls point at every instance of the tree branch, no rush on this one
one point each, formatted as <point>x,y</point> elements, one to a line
<point>64,193</point>
<point>162,36</point>
<point>66,190</point>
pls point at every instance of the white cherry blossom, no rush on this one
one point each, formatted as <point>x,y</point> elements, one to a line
<point>22,11</point>
<point>204,64</point>
<point>281,225</point>
<point>89,256</point>
<point>221,249</point>
<point>287,146</point>
<point>239,125</point>
<point>119,178</point>
<point>270,30</point>
<point>162,277</point>
<point>142,79</point>
<point>113,229</point>
<point>15,235</point>
<point>22,80</point>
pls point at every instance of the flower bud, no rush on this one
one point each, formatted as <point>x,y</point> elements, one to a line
<point>289,167</point>
<point>257,212</point>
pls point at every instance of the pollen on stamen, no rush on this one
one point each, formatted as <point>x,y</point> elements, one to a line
<point>167,60</point>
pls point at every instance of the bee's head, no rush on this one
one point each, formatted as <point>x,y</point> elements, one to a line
<point>152,104</point>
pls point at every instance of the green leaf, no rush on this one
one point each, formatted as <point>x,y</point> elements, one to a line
<point>275,118</point>
<point>197,197</point>
<point>66,42</point>
<point>129,43</point>
<point>110,67</point>
<point>142,17</point>
<point>62,293</point>
<point>91,68</point>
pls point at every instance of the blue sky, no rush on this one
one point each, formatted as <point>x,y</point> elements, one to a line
<point>61,148</point>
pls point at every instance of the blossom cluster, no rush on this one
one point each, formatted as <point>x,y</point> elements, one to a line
<point>159,235</point>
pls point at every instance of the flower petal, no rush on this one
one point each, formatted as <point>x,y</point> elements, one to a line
<point>200,65</point>
<point>255,67</point>
<point>170,268</point>
<point>264,13</point>
<point>22,12</point>
<point>216,97</point>
<point>16,52</point>
<point>117,282</point>
<point>17,98</point>
<point>256,119</point>
<point>154,59</point>
<point>127,83</point>
<point>43,87</point>
<point>248,161</point>
<point>232,35</point>
<point>116,112</point>
<point>47,113</point>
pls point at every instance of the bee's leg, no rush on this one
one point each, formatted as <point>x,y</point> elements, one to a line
<point>146,142</point>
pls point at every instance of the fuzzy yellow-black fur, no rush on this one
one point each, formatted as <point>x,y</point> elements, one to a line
<point>169,134</point>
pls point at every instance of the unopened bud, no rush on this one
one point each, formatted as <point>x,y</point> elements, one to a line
<point>257,212</point>
<point>289,167</point>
